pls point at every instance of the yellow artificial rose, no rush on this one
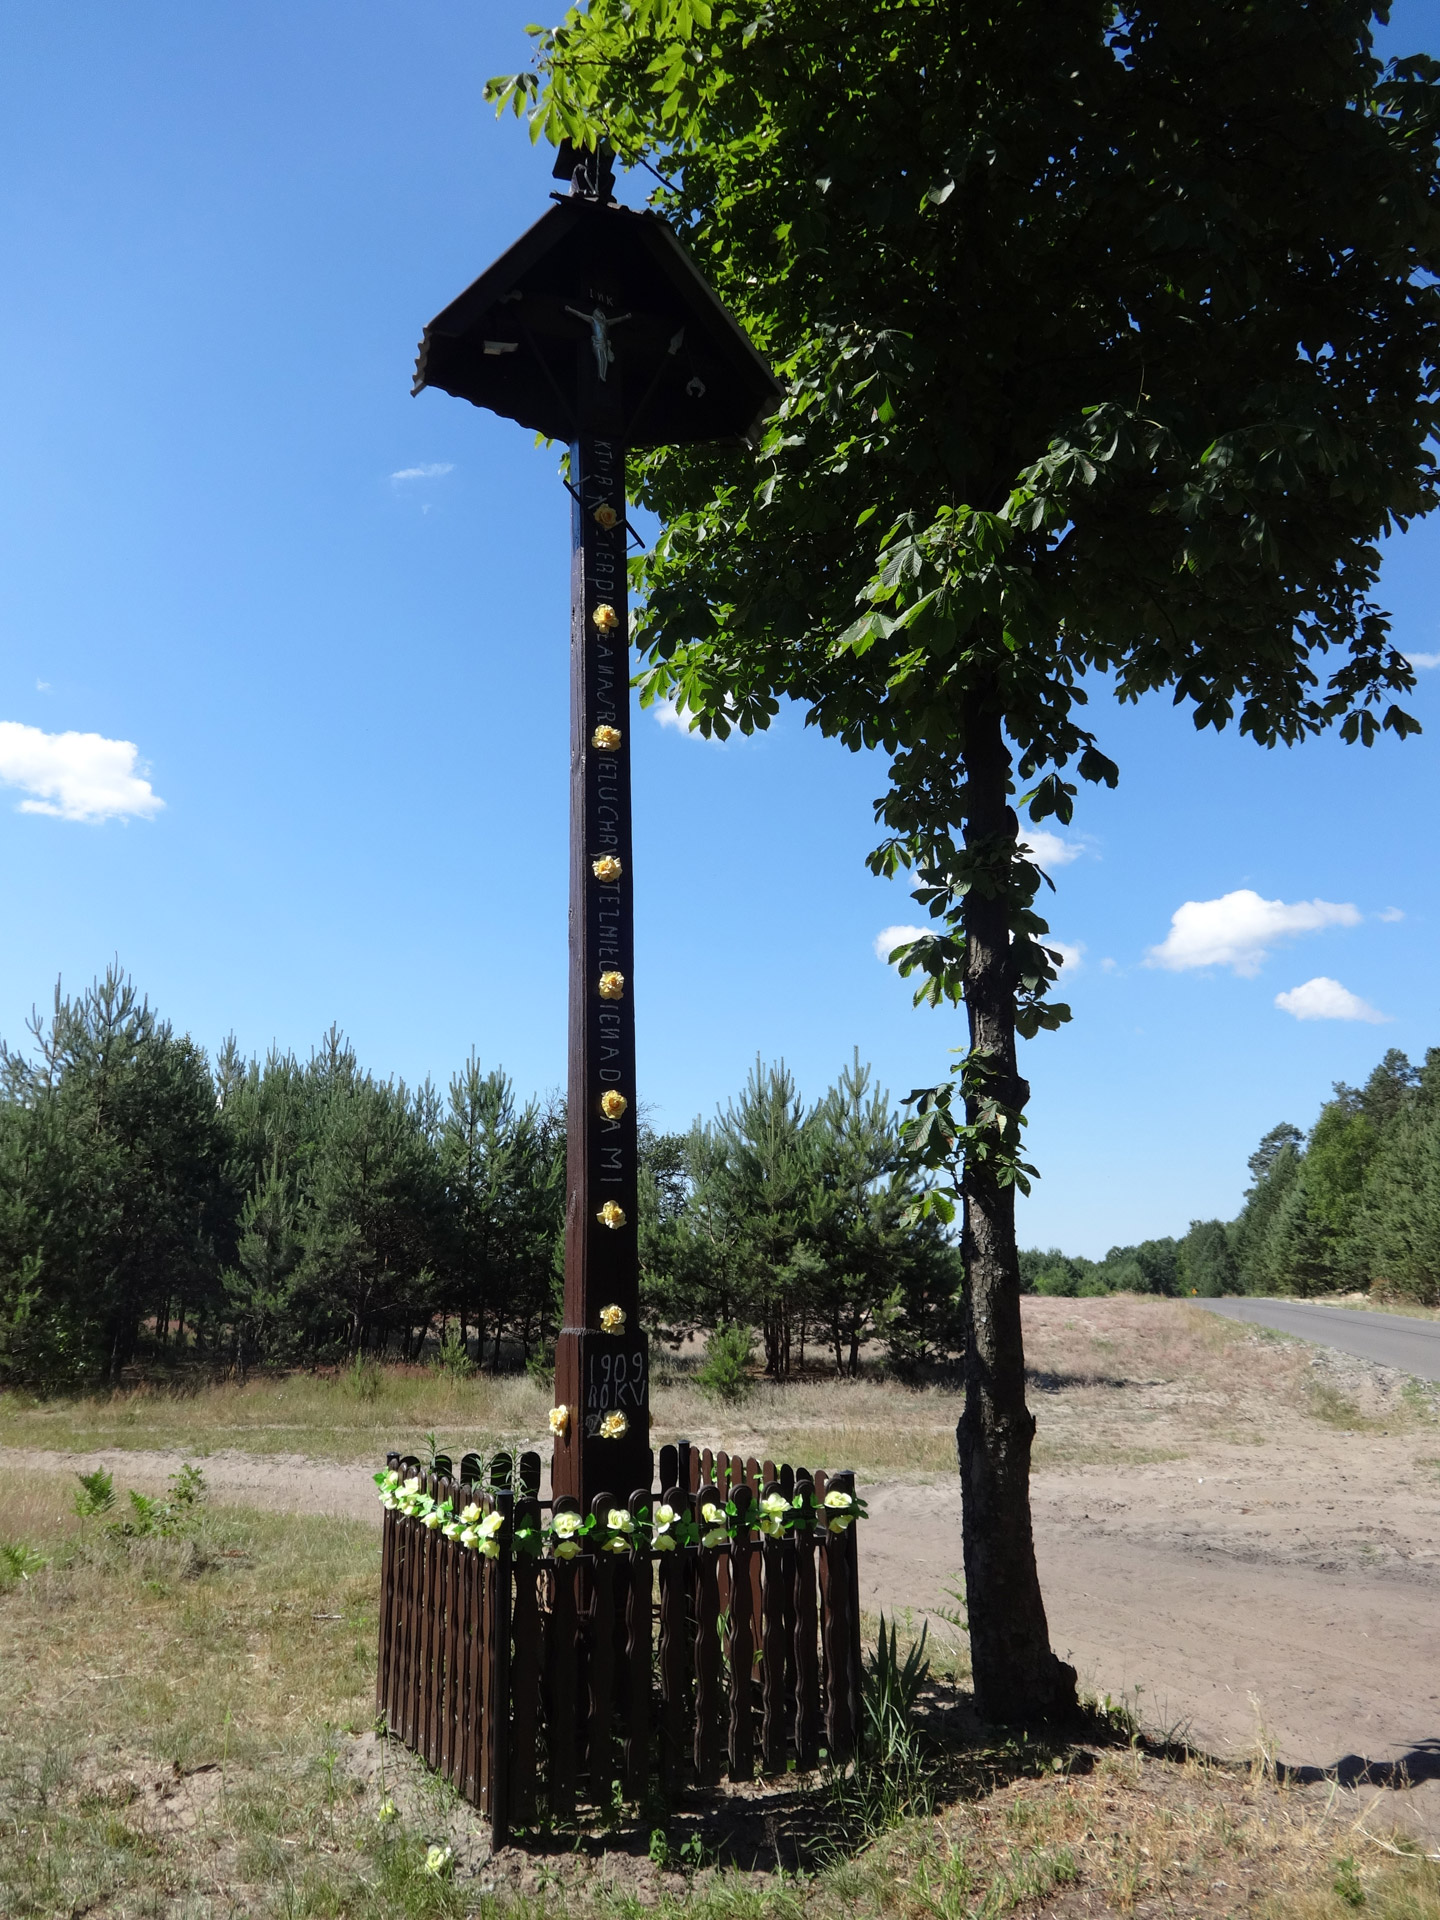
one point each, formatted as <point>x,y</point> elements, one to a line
<point>614,1427</point>
<point>606,868</point>
<point>612,985</point>
<point>611,1214</point>
<point>612,1319</point>
<point>613,1104</point>
<point>559,1421</point>
<point>605,617</point>
<point>606,516</point>
<point>607,739</point>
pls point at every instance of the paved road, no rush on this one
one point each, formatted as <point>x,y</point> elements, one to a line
<point>1412,1346</point>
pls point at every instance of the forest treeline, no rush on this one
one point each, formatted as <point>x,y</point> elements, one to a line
<point>1352,1205</point>
<point>157,1205</point>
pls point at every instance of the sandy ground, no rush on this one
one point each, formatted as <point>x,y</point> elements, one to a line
<point>1215,1542</point>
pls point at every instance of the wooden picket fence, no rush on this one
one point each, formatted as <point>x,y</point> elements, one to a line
<point>536,1684</point>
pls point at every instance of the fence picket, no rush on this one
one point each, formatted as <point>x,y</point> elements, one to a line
<point>429,1608</point>
<point>709,1703</point>
<point>387,1614</point>
<point>850,1572</point>
<point>498,1718</point>
<point>673,1568</point>
<point>562,1695</point>
<point>602,1661</point>
<point>484,1744</point>
<point>525,1673</point>
<point>773,1730</point>
<point>639,1616</point>
<point>474,1680</point>
<point>741,1646</point>
<point>806,1731</point>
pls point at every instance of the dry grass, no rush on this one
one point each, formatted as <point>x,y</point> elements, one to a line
<point>1123,1381</point>
<point>357,1414</point>
<point>352,1414</point>
<point>1379,1303</point>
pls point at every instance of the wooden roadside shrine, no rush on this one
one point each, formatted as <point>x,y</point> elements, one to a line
<point>539,1669</point>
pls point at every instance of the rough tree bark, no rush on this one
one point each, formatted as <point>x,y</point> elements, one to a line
<point>1017,1677</point>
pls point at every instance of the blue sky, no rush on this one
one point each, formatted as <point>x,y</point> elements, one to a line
<point>325,625</point>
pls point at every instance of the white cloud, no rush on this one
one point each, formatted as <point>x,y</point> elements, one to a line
<point>1391,914</point>
<point>1325,999</point>
<point>1048,848</point>
<point>668,713</point>
<point>42,686</point>
<point>1107,965</point>
<point>1071,956</point>
<point>1239,929</point>
<point>889,938</point>
<point>1423,659</point>
<point>432,472</point>
<point>75,776</point>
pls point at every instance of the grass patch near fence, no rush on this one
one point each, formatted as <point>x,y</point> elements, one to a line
<point>185,1730</point>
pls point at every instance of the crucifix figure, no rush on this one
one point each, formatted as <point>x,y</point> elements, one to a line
<point>600,323</point>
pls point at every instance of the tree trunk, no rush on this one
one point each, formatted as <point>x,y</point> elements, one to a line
<point>1018,1680</point>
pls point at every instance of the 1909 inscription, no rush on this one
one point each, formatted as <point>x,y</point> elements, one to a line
<point>616,1380</point>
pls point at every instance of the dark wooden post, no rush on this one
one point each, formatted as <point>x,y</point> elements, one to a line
<point>497,1692</point>
<point>600,1374</point>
